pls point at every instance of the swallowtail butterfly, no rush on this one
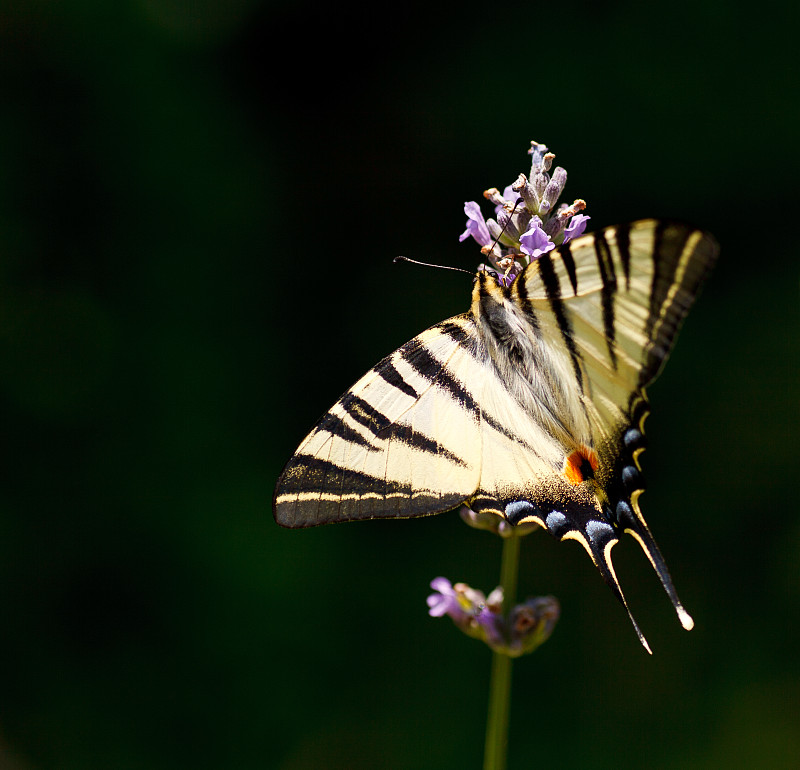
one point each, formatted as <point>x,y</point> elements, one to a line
<point>530,406</point>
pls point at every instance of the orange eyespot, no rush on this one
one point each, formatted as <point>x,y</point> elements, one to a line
<point>580,465</point>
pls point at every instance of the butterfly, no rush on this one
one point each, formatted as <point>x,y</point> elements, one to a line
<point>530,406</point>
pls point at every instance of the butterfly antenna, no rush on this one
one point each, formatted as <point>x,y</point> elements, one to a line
<point>458,269</point>
<point>428,264</point>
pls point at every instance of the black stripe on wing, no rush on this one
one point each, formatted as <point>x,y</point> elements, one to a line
<point>417,355</point>
<point>376,422</point>
<point>364,413</point>
<point>668,247</point>
<point>336,426</point>
<point>623,238</point>
<point>387,371</point>
<point>552,287</point>
<point>682,257</point>
<point>419,441</point>
<point>609,280</point>
<point>309,473</point>
<point>429,367</point>
<point>569,264</point>
<point>299,503</point>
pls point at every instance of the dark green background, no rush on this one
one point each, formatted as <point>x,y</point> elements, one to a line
<point>199,205</point>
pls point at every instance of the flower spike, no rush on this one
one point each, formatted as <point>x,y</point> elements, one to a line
<point>528,223</point>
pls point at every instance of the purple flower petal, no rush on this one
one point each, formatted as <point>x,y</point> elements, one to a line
<point>439,604</point>
<point>534,241</point>
<point>476,225</point>
<point>445,602</point>
<point>442,585</point>
<point>576,227</point>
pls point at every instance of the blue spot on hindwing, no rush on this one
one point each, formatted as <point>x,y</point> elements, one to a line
<point>518,509</point>
<point>624,513</point>
<point>599,531</point>
<point>631,478</point>
<point>633,439</point>
<point>555,522</point>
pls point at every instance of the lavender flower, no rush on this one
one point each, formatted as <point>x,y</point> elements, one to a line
<point>476,225</point>
<point>535,240</point>
<point>576,227</point>
<point>519,632</point>
<point>448,601</point>
<point>527,223</point>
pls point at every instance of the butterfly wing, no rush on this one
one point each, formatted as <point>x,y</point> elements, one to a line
<point>606,309</point>
<point>403,441</point>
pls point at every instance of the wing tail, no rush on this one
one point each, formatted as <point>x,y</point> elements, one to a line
<point>602,560</point>
<point>598,538</point>
<point>576,521</point>
<point>631,521</point>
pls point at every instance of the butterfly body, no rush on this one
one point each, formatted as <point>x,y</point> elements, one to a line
<point>530,406</point>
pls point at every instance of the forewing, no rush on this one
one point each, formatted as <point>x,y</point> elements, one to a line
<point>403,441</point>
<point>612,303</point>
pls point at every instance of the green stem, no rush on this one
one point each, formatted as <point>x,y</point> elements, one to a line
<point>494,757</point>
<point>509,570</point>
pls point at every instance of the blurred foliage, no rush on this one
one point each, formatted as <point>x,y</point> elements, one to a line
<point>199,204</point>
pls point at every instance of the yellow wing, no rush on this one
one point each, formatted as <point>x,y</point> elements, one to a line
<point>403,441</point>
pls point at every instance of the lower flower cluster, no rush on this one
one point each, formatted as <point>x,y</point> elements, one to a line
<point>519,632</point>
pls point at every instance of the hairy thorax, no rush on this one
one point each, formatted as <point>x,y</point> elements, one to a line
<point>539,380</point>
